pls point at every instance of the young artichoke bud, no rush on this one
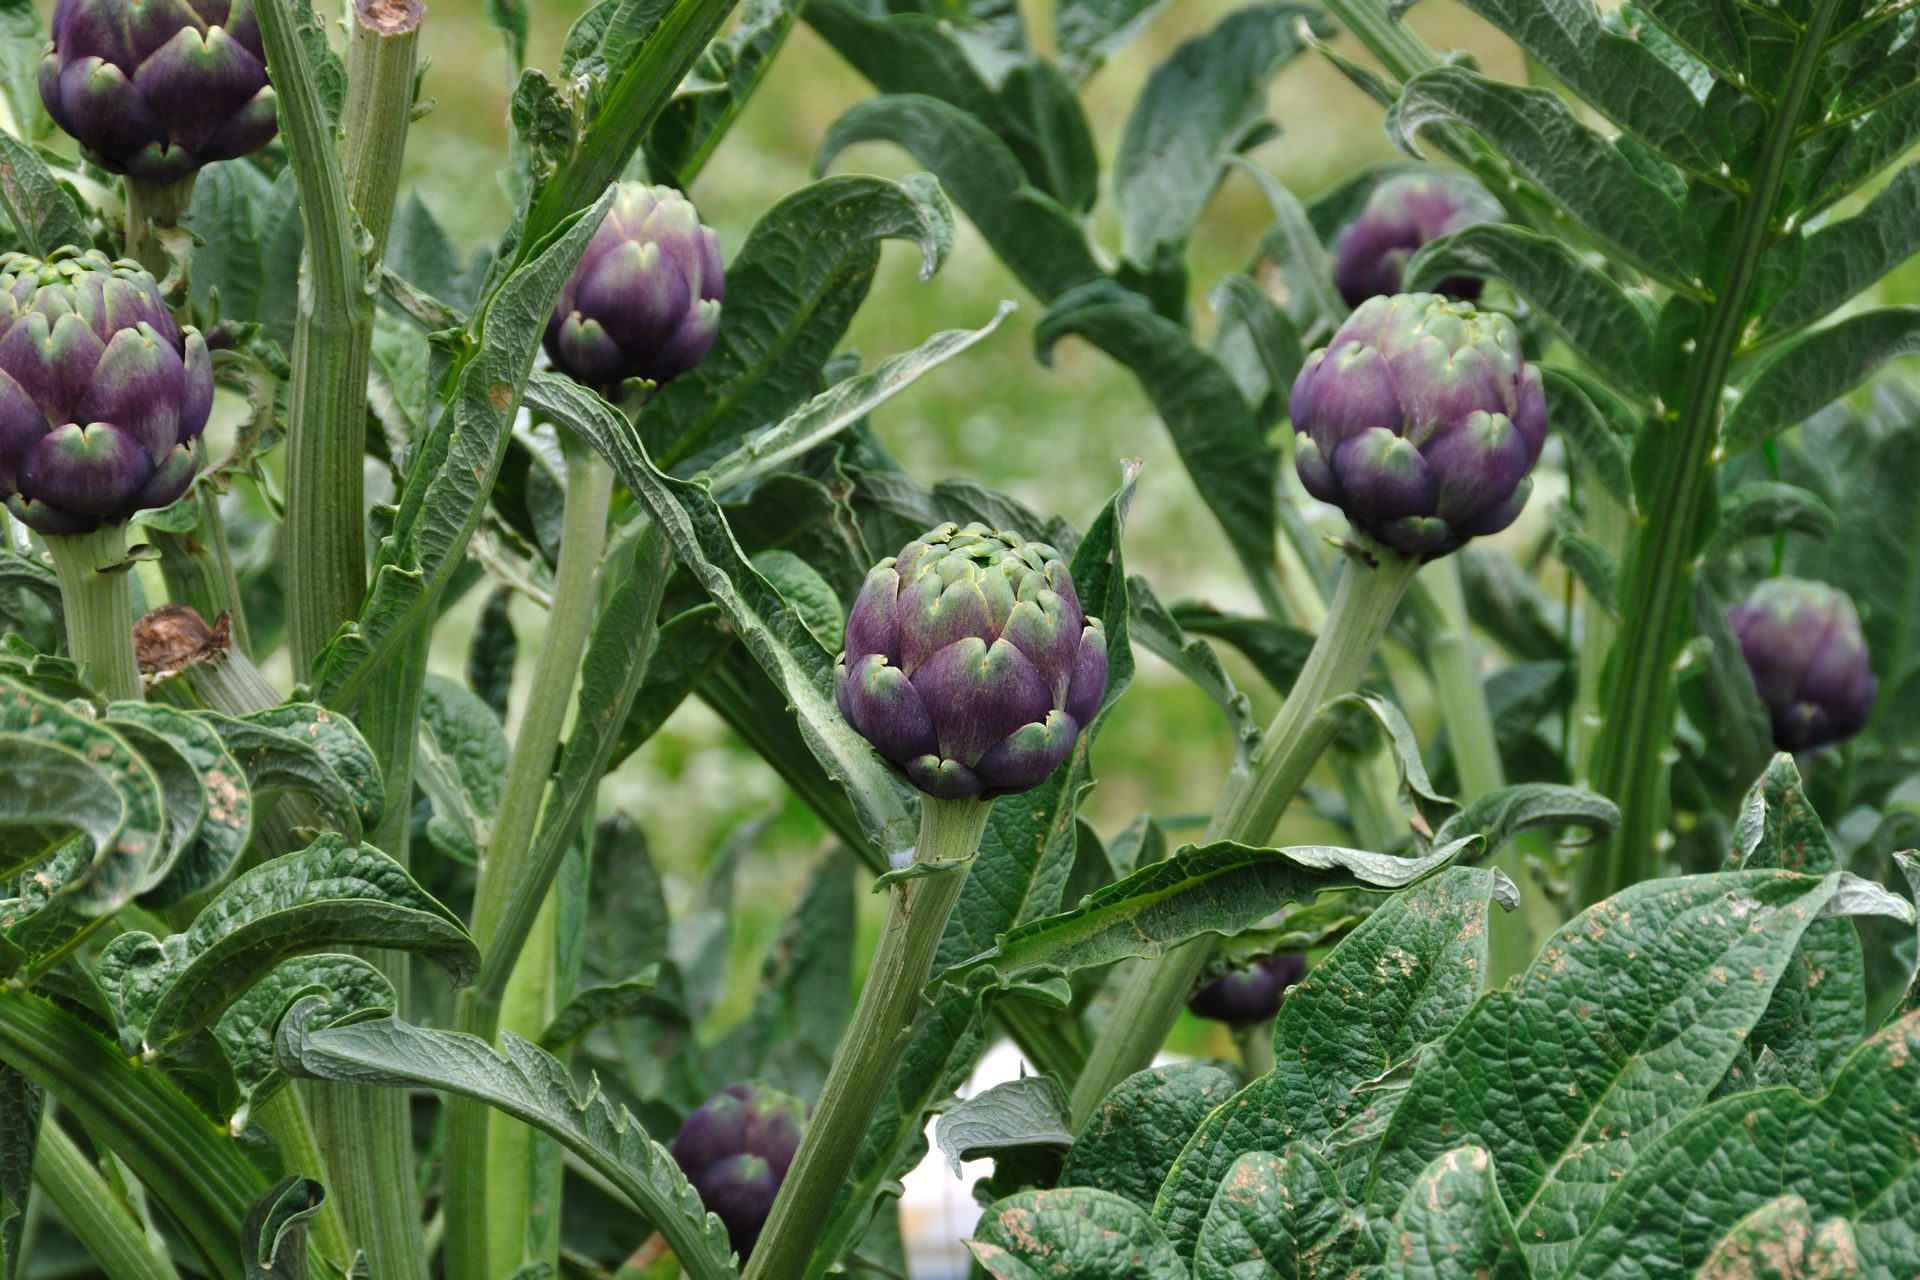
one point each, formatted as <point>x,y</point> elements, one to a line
<point>1370,257</point>
<point>644,301</point>
<point>157,88</point>
<point>101,394</point>
<point>1809,660</point>
<point>735,1149</point>
<point>969,664</point>
<point>1250,995</point>
<point>1420,420</point>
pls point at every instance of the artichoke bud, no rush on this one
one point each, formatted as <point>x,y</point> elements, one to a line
<point>102,395</point>
<point>1420,420</point>
<point>735,1149</point>
<point>1809,661</point>
<point>1402,214</point>
<point>969,664</point>
<point>1247,996</point>
<point>644,300</point>
<point>157,88</point>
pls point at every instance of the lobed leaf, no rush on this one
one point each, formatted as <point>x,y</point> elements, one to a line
<point>1815,370</point>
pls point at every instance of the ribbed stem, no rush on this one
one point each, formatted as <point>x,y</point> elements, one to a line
<point>189,1164</point>
<point>283,1117</point>
<point>152,208</point>
<point>382,54</point>
<point>1611,525</point>
<point>509,893</point>
<point>526,1009</point>
<point>99,1218</point>
<point>1250,807</point>
<point>1636,730</point>
<point>98,608</point>
<point>871,1047</point>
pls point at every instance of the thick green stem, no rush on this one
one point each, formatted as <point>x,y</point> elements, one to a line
<point>1250,807</point>
<point>510,891</point>
<point>198,568</point>
<point>283,1117</point>
<point>1635,738</point>
<point>152,209</point>
<point>871,1047</point>
<point>94,594</point>
<point>100,1219</point>
<point>185,1160</point>
<point>382,54</point>
<point>514,1150</point>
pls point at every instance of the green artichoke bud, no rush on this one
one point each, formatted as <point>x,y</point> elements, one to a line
<point>1809,661</point>
<point>969,664</point>
<point>101,394</point>
<point>1420,420</point>
<point>644,300</point>
<point>157,88</point>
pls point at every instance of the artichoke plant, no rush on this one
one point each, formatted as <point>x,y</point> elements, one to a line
<point>735,1148</point>
<point>644,301</point>
<point>1420,420</point>
<point>1810,664</point>
<point>1251,995</point>
<point>1402,214</point>
<point>102,395</point>
<point>157,88</point>
<point>969,664</point>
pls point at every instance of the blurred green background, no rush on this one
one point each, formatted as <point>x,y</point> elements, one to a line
<point>1052,437</point>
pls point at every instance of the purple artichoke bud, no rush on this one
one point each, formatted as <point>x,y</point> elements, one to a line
<point>1253,994</point>
<point>101,394</point>
<point>1810,664</point>
<point>735,1149</point>
<point>644,301</point>
<point>1420,420</point>
<point>1403,213</point>
<point>157,88</point>
<point>969,664</point>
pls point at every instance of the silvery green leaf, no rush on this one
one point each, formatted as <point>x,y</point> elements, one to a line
<point>1010,1117</point>
<point>534,1088</point>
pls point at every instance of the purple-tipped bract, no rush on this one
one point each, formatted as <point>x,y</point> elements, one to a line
<point>644,300</point>
<point>1253,994</point>
<point>1809,660</point>
<point>158,88</point>
<point>735,1149</point>
<point>969,664</point>
<point>1421,420</point>
<point>101,394</point>
<point>1402,214</point>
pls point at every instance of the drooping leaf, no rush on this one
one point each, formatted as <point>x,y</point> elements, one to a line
<point>535,1089</point>
<point>1007,1119</point>
<point>346,986</point>
<point>1500,816</point>
<point>1403,978</point>
<point>274,1233</point>
<point>460,761</point>
<point>1087,32</point>
<point>1075,1233</point>
<point>1672,976</point>
<point>1850,1155</point>
<point>1766,509</point>
<point>1842,259</point>
<point>1587,176</point>
<point>1217,888</point>
<point>1137,1131</point>
<point>692,125</point>
<point>1813,371</point>
<point>1199,107</point>
<point>1036,236</point>
<point>309,750</point>
<point>226,814</point>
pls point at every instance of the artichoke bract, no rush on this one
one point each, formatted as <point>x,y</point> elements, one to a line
<point>644,300</point>
<point>735,1148</point>
<point>969,664</point>
<point>1250,995</point>
<point>1402,214</point>
<point>1809,660</point>
<point>102,395</point>
<point>1421,420</point>
<point>157,88</point>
